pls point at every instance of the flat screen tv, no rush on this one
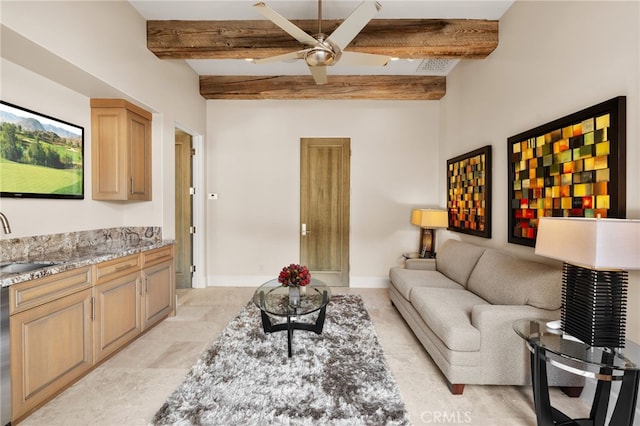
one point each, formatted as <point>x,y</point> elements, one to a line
<point>40,156</point>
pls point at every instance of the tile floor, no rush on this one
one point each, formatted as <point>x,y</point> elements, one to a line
<point>129,388</point>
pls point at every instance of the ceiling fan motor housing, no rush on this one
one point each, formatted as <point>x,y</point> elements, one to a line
<point>324,53</point>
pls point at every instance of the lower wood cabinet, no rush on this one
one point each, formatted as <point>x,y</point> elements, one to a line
<point>117,315</point>
<point>158,281</point>
<point>62,325</point>
<point>159,290</point>
<point>51,346</point>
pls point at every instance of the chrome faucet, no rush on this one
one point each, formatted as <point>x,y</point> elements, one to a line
<point>5,223</point>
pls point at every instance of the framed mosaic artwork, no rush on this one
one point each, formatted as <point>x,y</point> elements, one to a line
<point>571,167</point>
<point>469,192</point>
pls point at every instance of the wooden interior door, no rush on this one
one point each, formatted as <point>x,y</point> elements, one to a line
<point>324,208</point>
<point>184,208</point>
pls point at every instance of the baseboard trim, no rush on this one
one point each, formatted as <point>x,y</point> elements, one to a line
<point>237,280</point>
<point>369,282</point>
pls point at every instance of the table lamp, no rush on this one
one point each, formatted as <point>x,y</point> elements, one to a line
<point>429,220</point>
<point>597,253</point>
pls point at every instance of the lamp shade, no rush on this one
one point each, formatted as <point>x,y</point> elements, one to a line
<point>429,218</point>
<point>595,243</point>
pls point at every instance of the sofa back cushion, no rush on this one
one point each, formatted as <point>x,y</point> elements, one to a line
<point>502,279</point>
<point>456,260</point>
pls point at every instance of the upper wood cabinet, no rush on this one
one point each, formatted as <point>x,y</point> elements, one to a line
<point>120,150</point>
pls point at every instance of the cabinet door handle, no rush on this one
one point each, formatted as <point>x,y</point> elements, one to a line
<point>93,308</point>
<point>146,284</point>
<point>131,187</point>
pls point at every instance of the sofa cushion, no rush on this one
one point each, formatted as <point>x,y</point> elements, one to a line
<point>447,312</point>
<point>456,260</point>
<point>406,279</point>
<point>518,282</point>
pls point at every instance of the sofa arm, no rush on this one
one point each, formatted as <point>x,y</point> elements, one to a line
<point>503,349</point>
<point>421,264</point>
<point>495,322</point>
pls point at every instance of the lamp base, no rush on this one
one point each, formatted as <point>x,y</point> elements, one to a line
<point>594,305</point>
<point>427,243</point>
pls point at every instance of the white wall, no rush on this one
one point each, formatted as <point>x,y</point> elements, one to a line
<point>554,58</point>
<point>253,163</point>
<point>80,50</point>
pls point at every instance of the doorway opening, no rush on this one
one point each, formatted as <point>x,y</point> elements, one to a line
<point>187,197</point>
<point>184,191</point>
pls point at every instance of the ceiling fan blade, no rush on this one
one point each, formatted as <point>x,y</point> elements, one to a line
<point>285,24</point>
<point>359,18</point>
<point>363,59</point>
<point>284,57</point>
<point>319,73</point>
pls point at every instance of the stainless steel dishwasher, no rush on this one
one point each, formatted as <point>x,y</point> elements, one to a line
<point>5,370</point>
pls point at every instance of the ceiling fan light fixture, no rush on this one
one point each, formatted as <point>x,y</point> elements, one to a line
<point>324,53</point>
<point>316,57</point>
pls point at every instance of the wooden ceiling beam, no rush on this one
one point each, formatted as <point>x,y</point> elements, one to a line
<point>396,87</point>
<point>402,38</point>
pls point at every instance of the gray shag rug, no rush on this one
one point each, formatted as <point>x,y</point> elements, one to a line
<point>339,377</point>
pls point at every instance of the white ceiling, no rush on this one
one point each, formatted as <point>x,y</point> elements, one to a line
<point>308,9</point>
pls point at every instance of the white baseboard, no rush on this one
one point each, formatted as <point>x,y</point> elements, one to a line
<point>237,280</point>
<point>369,282</point>
<point>257,280</point>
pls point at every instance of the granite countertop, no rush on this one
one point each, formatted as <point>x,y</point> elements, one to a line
<point>66,260</point>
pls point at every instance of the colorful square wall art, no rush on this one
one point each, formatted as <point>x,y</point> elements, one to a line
<point>570,167</point>
<point>469,192</point>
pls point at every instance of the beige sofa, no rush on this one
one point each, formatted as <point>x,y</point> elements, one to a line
<point>461,306</point>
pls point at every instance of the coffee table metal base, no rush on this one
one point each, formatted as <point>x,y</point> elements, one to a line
<point>290,325</point>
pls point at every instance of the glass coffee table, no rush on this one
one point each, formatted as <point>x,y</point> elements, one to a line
<point>273,300</point>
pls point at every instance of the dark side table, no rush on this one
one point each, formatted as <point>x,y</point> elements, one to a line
<point>606,365</point>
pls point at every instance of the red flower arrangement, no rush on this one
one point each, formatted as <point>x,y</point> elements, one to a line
<point>294,275</point>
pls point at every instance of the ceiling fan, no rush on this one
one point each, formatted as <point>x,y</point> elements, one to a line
<point>326,50</point>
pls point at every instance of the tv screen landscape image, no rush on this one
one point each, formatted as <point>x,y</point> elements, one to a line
<point>40,156</point>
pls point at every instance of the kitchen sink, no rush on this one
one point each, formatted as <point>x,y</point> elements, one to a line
<point>17,267</point>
